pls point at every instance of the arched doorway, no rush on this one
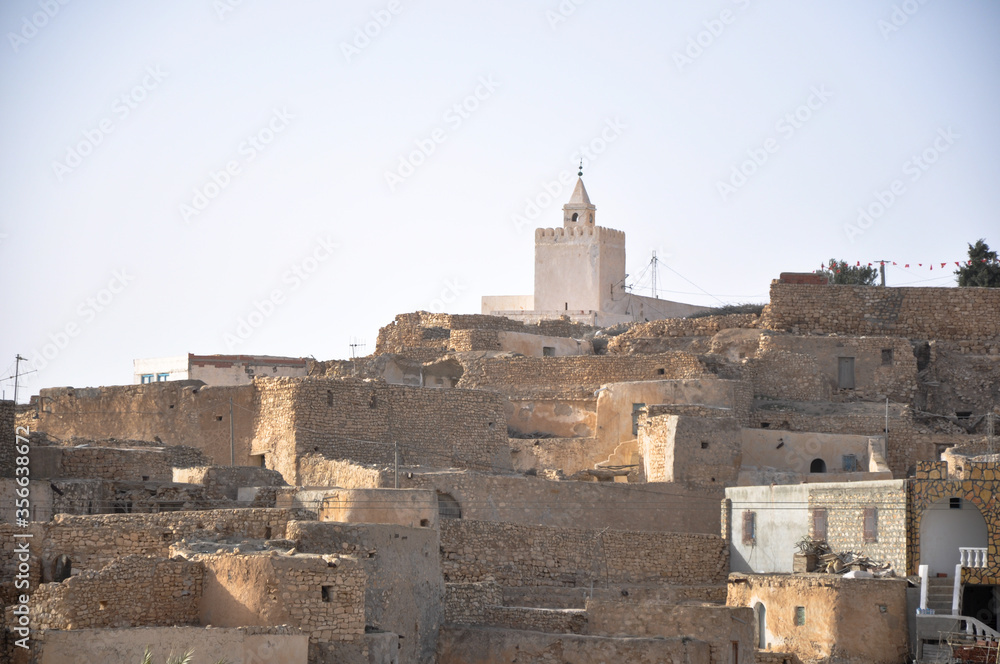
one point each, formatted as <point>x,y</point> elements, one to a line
<point>448,507</point>
<point>945,526</point>
<point>817,466</point>
<point>761,613</point>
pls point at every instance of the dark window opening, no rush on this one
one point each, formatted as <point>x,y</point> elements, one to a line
<point>954,503</point>
<point>764,425</point>
<point>329,398</point>
<point>326,592</point>
<point>267,532</point>
<point>425,523</point>
<point>548,351</point>
<point>448,507</point>
<point>566,306</point>
<point>660,371</point>
<point>871,525</point>
<point>845,373</point>
<point>819,523</point>
<point>886,357</point>
<point>636,411</point>
<point>122,507</point>
<point>172,506</point>
<point>817,466</point>
<point>145,478</point>
<point>963,414</point>
<point>575,216</point>
<point>704,445</point>
<point>218,418</point>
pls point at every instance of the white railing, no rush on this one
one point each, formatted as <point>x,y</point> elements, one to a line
<point>937,624</point>
<point>972,556</point>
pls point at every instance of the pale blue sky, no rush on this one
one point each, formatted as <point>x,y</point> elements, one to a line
<point>336,124</point>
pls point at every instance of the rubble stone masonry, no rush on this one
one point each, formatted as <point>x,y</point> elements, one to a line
<point>518,555</point>
<point>914,313</point>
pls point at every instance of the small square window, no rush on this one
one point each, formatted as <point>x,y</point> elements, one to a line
<point>955,503</point>
<point>704,445</point>
<point>147,378</point>
<point>218,418</point>
<point>162,377</point>
<point>548,351</point>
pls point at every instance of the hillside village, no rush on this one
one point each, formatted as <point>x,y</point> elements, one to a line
<point>578,475</point>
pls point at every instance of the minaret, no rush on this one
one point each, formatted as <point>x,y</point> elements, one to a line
<point>579,211</point>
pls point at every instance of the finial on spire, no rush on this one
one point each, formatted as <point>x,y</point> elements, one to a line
<point>580,174</point>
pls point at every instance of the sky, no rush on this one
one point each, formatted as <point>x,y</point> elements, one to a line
<point>283,178</point>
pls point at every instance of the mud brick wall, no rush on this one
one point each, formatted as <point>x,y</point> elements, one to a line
<point>518,555</point>
<point>695,447</point>
<point>914,313</point>
<point>574,375</point>
<point>845,509</point>
<point>132,591</point>
<point>360,421</point>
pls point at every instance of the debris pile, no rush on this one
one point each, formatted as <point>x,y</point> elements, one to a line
<point>830,562</point>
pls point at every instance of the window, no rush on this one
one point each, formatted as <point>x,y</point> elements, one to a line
<point>548,351</point>
<point>161,377</point>
<point>575,216</point>
<point>850,462</point>
<point>886,357</point>
<point>819,523</point>
<point>636,411</point>
<point>749,527</point>
<point>800,616</point>
<point>147,378</point>
<point>845,373</point>
<point>704,445</point>
<point>448,507</point>
<point>871,525</point>
<point>954,503</point>
<point>326,593</point>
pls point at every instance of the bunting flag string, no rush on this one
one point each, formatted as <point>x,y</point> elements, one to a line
<point>913,266</point>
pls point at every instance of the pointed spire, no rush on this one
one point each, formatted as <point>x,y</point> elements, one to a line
<point>580,174</point>
<point>580,196</point>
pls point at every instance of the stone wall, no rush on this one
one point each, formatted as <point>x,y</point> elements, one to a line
<point>366,421</point>
<point>805,368</point>
<point>226,480</point>
<point>324,596</point>
<point>826,617</point>
<point>862,419</point>
<point>576,376</point>
<point>7,439</point>
<point>485,645</point>
<point>846,505</point>
<point>637,337</point>
<point>656,507</point>
<point>700,449</point>
<point>520,555</point>
<point>131,591</point>
<point>469,603</point>
<point>405,590</point>
<point>914,313</point>
<point>168,413</point>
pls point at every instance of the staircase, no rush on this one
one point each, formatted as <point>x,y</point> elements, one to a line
<point>939,595</point>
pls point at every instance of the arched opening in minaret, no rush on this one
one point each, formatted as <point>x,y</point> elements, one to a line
<point>575,216</point>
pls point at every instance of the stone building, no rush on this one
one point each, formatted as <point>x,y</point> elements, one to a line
<point>580,273</point>
<point>217,369</point>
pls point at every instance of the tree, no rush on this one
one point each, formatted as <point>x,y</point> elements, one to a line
<point>840,272</point>
<point>982,270</point>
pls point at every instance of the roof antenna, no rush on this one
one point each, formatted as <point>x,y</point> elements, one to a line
<point>580,174</point>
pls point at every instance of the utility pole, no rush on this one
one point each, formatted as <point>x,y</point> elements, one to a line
<point>395,462</point>
<point>232,442</point>
<point>881,270</point>
<point>990,442</point>
<point>654,273</point>
<point>17,374</point>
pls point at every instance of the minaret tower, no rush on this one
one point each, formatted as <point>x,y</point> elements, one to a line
<point>579,211</point>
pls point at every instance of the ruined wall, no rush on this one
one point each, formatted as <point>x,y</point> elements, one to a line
<point>226,480</point>
<point>961,376</point>
<point>521,555</point>
<point>644,337</point>
<point>169,413</point>
<point>573,376</point>
<point>658,507</point>
<point>405,590</point>
<point>805,368</point>
<point>914,313</point>
<point>170,592</point>
<point>324,596</point>
<point>854,621</point>
<point>469,603</point>
<point>482,645</point>
<point>360,421</point>
<point>694,451</point>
